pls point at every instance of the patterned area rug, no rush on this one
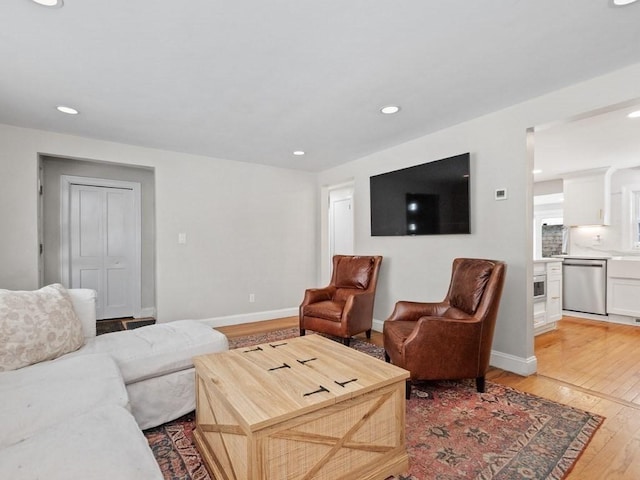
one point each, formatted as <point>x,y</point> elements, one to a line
<point>453,432</point>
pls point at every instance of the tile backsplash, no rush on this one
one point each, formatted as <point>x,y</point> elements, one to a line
<point>552,240</point>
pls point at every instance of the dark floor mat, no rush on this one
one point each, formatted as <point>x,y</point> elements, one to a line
<point>108,326</point>
<point>131,324</point>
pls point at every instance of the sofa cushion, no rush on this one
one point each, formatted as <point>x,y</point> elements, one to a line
<point>159,349</point>
<point>36,326</point>
<point>102,443</point>
<point>48,393</point>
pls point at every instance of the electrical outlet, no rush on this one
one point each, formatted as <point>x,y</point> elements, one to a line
<point>252,297</point>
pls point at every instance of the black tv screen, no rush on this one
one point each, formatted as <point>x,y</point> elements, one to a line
<point>428,199</point>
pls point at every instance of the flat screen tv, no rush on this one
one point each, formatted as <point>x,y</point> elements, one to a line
<point>427,199</point>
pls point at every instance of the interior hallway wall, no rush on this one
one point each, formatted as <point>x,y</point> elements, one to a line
<point>53,169</point>
<point>250,228</point>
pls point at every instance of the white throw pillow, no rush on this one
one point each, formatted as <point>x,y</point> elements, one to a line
<point>36,326</point>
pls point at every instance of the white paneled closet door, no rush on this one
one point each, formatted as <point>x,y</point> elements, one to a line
<point>103,246</point>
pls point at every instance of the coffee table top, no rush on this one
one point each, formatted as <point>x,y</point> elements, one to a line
<point>268,383</point>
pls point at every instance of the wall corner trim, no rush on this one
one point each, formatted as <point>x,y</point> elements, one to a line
<point>511,363</point>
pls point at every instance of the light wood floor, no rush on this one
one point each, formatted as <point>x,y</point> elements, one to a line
<point>588,364</point>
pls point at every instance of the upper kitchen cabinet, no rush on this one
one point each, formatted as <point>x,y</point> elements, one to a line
<point>587,197</point>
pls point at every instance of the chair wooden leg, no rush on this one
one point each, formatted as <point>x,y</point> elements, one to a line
<point>368,333</point>
<point>387,358</point>
<point>302,332</point>
<point>407,391</point>
<point>480,384</point>
<point>346,341</point>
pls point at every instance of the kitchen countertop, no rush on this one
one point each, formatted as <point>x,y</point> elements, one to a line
<point>547,260</point>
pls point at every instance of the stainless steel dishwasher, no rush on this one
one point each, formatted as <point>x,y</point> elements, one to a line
<point>584,285</point>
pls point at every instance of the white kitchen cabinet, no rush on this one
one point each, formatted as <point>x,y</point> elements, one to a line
<point>539,316</point>
<point>554,292</point>
<point>587,198</point>
<point>623,288</point>
<point>547,311</point>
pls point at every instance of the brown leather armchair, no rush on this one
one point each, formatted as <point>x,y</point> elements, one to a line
<point>450,339</point>
<point>344,307</point>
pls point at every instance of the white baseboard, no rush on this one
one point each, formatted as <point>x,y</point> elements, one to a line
<point>377,325</point>
<point>149,312</point>
<point>241,318</point>
<point>511,363</point>
<point>588,316</point>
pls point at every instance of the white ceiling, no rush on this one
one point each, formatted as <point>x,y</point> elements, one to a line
<point>253,80</point>
<point>609,139</point>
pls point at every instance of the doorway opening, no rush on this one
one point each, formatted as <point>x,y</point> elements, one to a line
<point>581,167</point>
<point>97,230</point>
<point>340,215</point>
<point>100,242</point>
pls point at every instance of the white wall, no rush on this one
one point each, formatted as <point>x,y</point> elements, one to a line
<point>250,228</point>
<point>547,188</point>
<point>418,268</point>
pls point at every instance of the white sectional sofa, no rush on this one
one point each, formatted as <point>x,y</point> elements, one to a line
<point>80,415</point>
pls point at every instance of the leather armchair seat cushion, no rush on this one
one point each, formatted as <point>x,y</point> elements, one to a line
<point>328,310</point>
<point>396,336</point>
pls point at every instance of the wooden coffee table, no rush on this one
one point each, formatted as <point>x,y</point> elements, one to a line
<point>302,408</point>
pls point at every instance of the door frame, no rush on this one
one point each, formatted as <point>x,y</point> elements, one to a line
<point>65,235</point>
<point>349,192</point>
<point>339,194</point>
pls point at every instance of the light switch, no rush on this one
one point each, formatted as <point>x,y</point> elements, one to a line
<point>182,238</point>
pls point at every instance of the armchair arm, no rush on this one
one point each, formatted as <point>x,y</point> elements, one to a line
<point>412,311</point>
<point>357,313</point>
<point>314,295</point>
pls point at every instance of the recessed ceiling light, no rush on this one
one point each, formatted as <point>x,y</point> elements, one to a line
<point>536,171</point>
<point>299,153</point>
<point>635,114</point>
<point>49,3</point>
<point>390,109</point>
<point>621,3</point>
<point>68,110</point>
